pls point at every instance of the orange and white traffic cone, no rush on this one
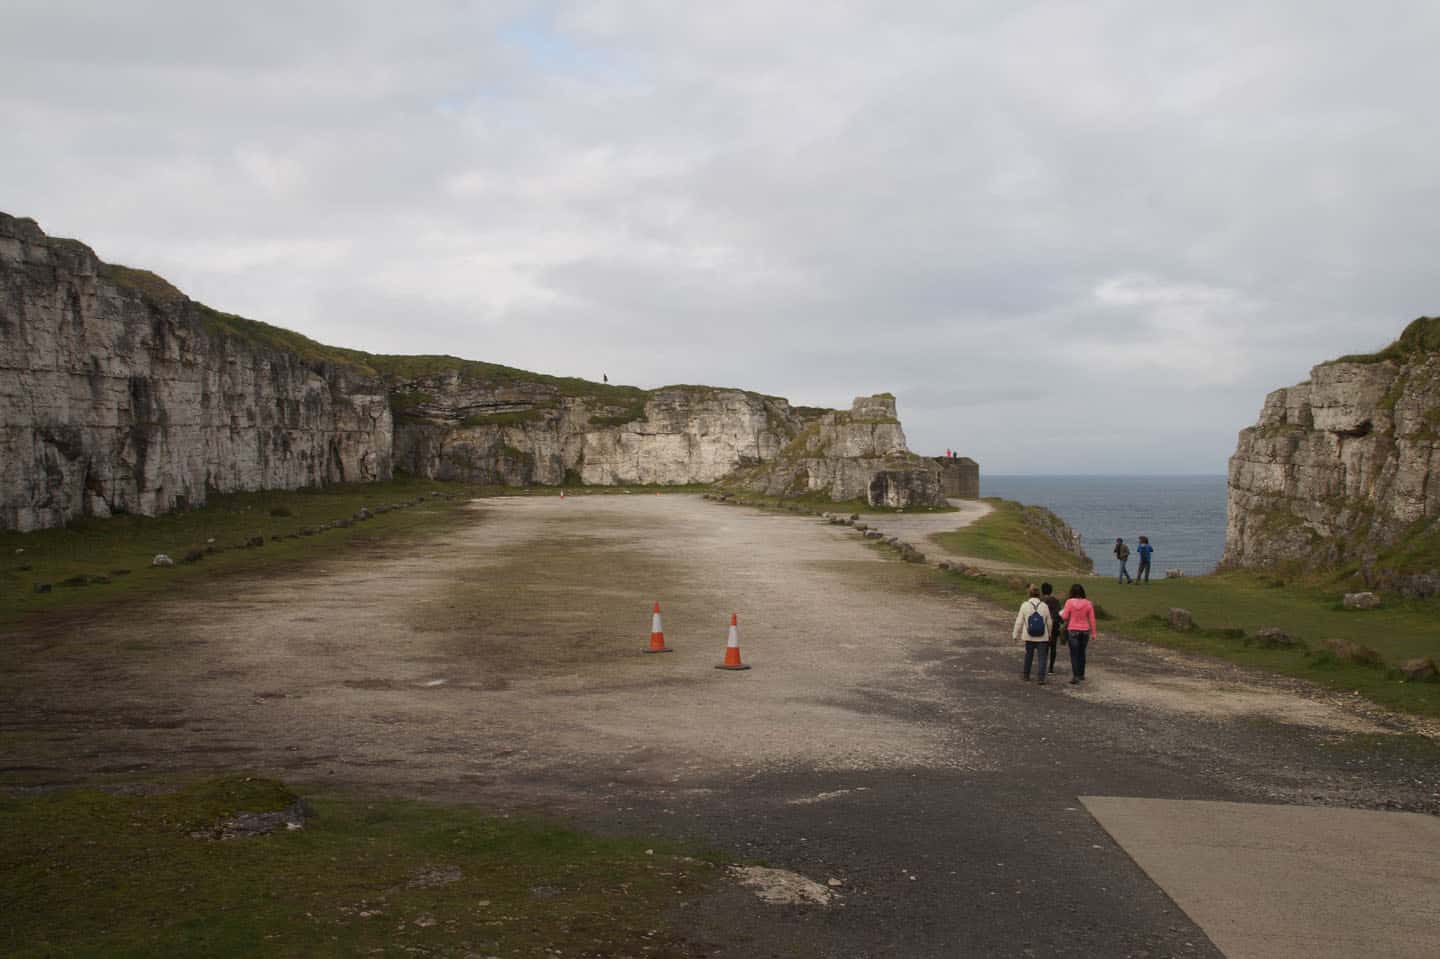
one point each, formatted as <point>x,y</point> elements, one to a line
<point>657,634</point>
<point>732,647</point>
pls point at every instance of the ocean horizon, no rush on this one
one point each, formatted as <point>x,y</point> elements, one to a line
<point>1182,513</point>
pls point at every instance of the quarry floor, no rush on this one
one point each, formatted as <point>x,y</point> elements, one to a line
<point>882,739</point>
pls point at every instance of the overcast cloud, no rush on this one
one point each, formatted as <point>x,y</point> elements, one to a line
<point>1069,237</point>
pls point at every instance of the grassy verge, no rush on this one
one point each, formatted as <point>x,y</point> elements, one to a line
<point>96,562</point>
<point>1005,536</point>
<point>99,561</point>
<point>1229,609</point>
<point>90,873</point>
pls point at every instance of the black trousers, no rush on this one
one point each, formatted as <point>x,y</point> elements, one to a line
<point>1079,639</point>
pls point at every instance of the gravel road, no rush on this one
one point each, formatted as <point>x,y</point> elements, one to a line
<point>882,739</point>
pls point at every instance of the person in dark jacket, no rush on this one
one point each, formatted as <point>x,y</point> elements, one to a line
<point>1142,575</point>
<point>1057,625</point>
<point>1122,553</point>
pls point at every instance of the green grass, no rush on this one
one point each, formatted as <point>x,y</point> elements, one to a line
<point>278,338</point>
<point>1229,608</point>
<point>141,281</point>
<point>104,547</point>
<point>396,368</point>
<point>1398,630</point>
<point>94,874</point>
<point>1422,335</point>
<point>1004,535</point>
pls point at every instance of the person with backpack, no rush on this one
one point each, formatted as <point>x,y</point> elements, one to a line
<point>1122,553</point>
<point>1048,597</point>
<point>1080,627</point>
<point>1142,575</point>
<point>1032,624</point>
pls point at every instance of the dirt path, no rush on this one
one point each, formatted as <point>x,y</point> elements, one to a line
<point>511,649</point>
<point>882,733</point>
<point>917,528</point>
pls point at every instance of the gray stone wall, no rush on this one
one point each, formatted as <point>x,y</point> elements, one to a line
<point>959,477</point>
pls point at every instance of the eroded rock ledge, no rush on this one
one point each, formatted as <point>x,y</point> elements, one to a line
<point>1345,466</point>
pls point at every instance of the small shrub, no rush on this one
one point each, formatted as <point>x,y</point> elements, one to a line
<point>1346,651</point>
<point>280,512</point>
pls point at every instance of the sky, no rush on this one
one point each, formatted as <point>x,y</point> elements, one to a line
<point>1070,237</point>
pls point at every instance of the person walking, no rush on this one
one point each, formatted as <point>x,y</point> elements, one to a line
<point>1032,623</point>
<point>1122,553</point>
<point>1142,575</point>
<point>1080,627</point>
<point>1048,597</point>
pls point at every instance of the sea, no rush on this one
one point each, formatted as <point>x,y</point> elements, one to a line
<point>1184,516</point>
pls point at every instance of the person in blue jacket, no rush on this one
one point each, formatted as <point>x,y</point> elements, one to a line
<point>1142,575</point>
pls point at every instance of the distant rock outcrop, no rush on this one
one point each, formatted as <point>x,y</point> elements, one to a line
<point>859,454</point>
<point>120,394</point>
<point>1345,467</point>
<point>466,423</point>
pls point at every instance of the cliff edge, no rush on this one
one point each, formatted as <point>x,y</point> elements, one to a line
<point>1344,469</point>
<point>120,394</point>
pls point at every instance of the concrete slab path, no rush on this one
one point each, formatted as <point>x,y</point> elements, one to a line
<point>1289,882</point>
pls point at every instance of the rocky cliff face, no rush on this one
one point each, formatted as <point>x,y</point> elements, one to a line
<point>456,426</point>
<point>859,454</point>
<point>117,393</point>
<point>1345,465</point>
<point>472,423</point>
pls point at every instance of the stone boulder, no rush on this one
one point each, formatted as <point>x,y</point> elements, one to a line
<point>1180,620</point>
<point>1421,670</point>
<point>1272,637</point>
<point>1351,652</point>
<point>1361,601</point>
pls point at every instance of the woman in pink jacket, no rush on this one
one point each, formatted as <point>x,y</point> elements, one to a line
<point>1078,613</point>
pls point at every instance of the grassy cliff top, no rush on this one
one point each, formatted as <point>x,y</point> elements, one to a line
<point>1421,336</point>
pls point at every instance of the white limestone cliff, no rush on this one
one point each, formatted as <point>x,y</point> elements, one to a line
<point>530,433</point>
<point>118,394</point>
<point>1343,465</point>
